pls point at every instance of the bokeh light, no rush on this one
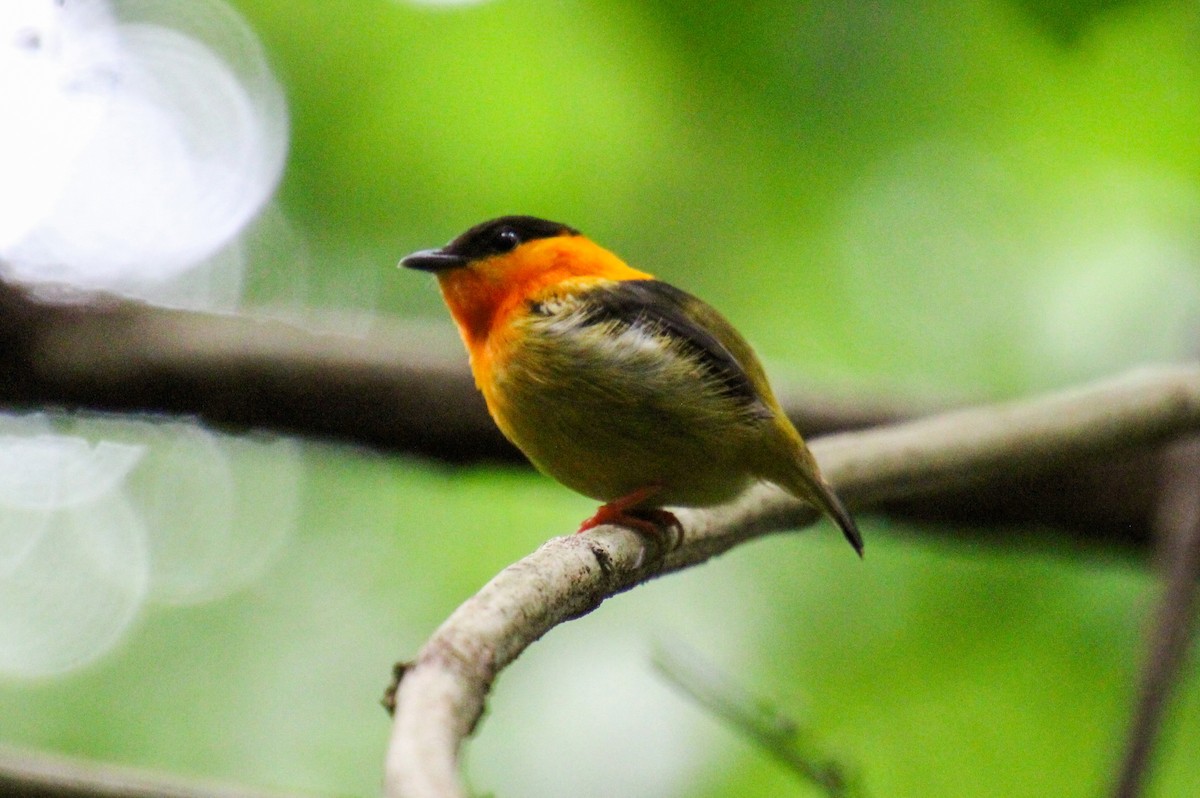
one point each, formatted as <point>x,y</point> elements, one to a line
<point>100,517</point>
<point>73,559</point>
<point>141,138</point>
<point>219,508</point>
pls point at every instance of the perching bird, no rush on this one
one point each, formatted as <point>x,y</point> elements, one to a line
<point>618,385</point>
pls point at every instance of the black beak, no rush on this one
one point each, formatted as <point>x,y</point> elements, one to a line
<point>433,260</point>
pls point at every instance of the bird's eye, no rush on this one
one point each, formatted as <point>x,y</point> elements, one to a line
<point>505,240</point>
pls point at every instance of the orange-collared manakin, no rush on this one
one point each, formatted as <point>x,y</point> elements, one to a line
<point>620,386</point>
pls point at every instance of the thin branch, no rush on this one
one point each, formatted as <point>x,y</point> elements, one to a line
<point>1179,527</point>
<point>405,387</point>
<point>29,774</point>
<point>441,694</point>
<point>764,725</point>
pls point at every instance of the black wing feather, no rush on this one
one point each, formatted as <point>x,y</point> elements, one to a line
<point>662,306</point>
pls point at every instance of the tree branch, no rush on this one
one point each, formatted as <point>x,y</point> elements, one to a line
<point>1179,550</point>
<point>774,733</point>
<point>441,695</point>
<point>399,386</point>
<point>405,388</point>
<point>29,774</point>
<point>390,388</point>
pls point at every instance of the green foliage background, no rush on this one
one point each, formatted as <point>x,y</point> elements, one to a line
<point>963,200</point>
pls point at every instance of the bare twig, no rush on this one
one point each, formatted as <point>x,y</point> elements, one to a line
<point>442,693</point>
<point>405,387</point>
<point>28,774</point>
<point>778,735</point>
<point>1179,529</point>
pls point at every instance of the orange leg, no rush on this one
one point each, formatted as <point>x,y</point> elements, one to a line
<point>624,511</point>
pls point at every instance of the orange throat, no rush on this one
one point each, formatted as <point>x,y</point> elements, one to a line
<point>484,296</point>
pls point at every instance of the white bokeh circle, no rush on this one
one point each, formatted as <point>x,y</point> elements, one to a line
<point>148,134</point>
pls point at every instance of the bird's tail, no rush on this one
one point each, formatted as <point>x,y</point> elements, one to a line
<point>808,484</point>
<point>828,501</point>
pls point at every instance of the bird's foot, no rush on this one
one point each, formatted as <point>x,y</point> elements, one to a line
<point>660,523</point>
<point>653,521</point>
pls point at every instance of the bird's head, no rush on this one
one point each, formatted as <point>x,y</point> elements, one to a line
<point>498,267</point>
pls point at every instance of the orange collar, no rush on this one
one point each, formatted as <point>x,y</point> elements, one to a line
<point>483,296</point>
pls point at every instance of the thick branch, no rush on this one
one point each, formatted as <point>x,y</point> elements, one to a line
<point>441,695</point>
<point>391,388</point>
<point>398,386</point>
<point>401,387</point>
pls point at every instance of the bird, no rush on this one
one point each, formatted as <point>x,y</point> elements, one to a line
<point>620,386</point>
